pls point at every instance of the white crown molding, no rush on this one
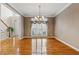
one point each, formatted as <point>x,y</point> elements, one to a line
<point>76,49</point>
<point>34,16</point>
<point>14,9</point>
<point>62,9</point>
<point>11,8</point>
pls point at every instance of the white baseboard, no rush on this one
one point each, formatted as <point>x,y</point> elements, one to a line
<point>66,43</point>
<point>20,38</point>
<point>62,42</point>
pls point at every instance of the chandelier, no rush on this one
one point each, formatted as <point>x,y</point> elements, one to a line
<point>39,17</point>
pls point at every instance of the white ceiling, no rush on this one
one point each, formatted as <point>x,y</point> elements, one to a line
<point>31,9</point>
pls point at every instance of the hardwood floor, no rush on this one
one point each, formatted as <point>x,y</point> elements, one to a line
<point>25,47</point>
<point>54,47</point>
<point>8,48</point>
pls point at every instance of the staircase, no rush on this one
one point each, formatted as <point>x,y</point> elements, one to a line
<point>8,45</point>
<point>3,32</point>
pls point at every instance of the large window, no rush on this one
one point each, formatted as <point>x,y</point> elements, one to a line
<point>39,28</point>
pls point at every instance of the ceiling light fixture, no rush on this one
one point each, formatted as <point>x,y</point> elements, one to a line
<point>39,17</point>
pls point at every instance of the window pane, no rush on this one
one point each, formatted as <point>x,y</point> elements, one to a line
<point>39,29</point>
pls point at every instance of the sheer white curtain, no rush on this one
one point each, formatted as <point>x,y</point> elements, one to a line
<point>39,29</point>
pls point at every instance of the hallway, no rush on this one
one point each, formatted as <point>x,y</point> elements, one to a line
<point>39,29</point>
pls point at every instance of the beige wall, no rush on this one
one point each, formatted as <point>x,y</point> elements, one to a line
<point>50,26</point>
<point>67,25</point>
<point>27,26</point>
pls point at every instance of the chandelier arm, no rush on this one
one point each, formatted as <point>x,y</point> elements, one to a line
<point>39,11</point>
<point>39,17</point>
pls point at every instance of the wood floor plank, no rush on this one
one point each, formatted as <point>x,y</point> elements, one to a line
<point>7,47</point>
<point>25,46</point>
<point>55,47</point>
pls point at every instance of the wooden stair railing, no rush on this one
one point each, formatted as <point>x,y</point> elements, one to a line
<point>2,32</point>
<point>4,23</point>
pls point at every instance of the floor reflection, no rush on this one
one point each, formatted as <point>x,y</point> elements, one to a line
<point>39,46</point>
